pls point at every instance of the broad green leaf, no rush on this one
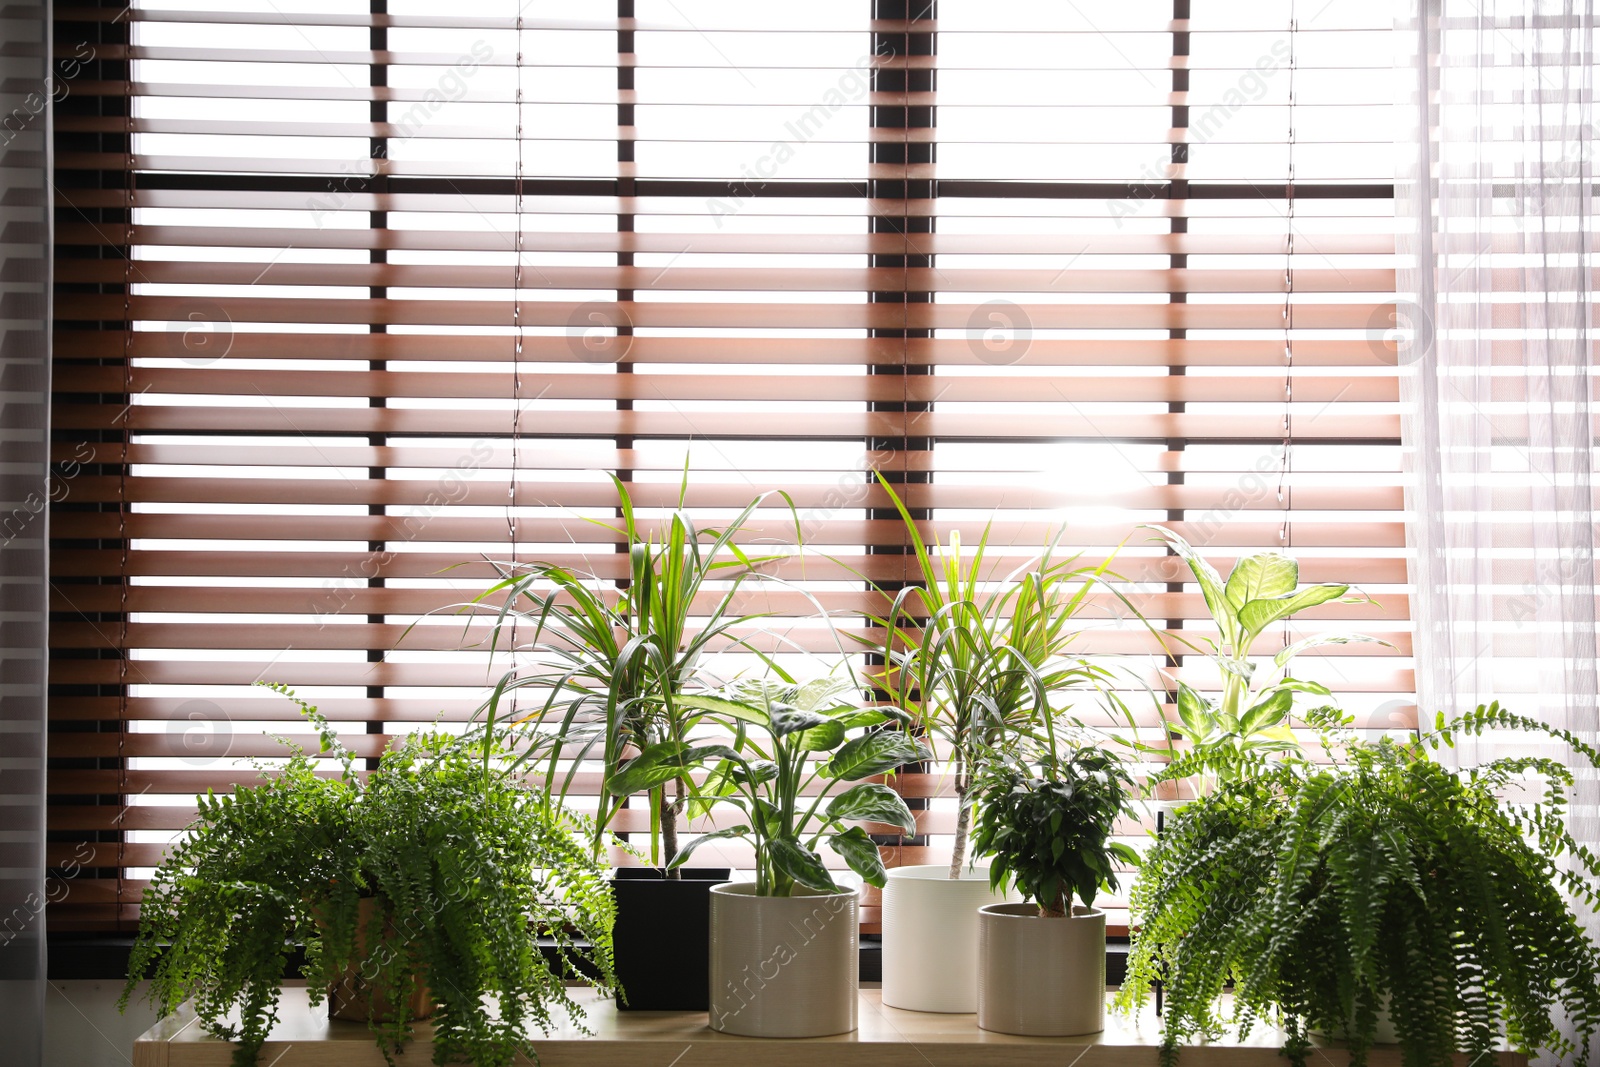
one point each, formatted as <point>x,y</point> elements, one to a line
<point>655,765</point>
<point>862,757</point>
<point>861,855</point>
<point>1257,615</point>
<point>1267,714</point>
<point>1193,712</point>
<point>1261,577</point>
<point>1300,685</point>
<point>756,772</point>
<point>873,802</point>
<point>716,835</point>
<point>1298,647</point>
<point>732,708</point>
<point>824,694</point>
<point>800,863</point>
<point>662,763</point>
<point>785,723</point>
<point>824,738</point>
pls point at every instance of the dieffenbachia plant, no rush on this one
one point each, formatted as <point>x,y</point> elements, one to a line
<point>794,746</point>
<point>1234,734</point>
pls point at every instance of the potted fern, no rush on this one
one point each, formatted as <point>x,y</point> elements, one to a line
<point>1386,885</point>
<point>1046,823</point>
<point>784,947</point>
<point>974,656</point>
<point>611,663</point>
<point>416,891</point>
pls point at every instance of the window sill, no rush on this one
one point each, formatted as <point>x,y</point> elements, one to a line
<point>887,1037</point>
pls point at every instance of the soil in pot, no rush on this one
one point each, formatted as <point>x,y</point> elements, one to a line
<point>661,937</point>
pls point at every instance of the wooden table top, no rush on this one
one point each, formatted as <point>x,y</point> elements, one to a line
<point>887,1037</point>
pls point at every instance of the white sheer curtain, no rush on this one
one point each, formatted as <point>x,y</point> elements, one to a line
<point>1496,237</point>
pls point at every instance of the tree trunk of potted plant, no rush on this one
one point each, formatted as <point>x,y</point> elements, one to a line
<point>930,926</point>
<point>663,927</point>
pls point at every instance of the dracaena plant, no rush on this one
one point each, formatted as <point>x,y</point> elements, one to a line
<point>1388,882</point>
<point>462,864</point>
<point>795,745</point>
<point>612,665</point>
<point>1251,721</point>
<point>976,657</point>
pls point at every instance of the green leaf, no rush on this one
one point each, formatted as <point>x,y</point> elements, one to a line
<point>824,738</point>
<point>785,723</point>
<point>686,851</point>
<point>662,763</point>
<point>1206,575</point>
<point>875,803</point>
<point>800,863</point>
<point>731,708</point>
<point>1268,713</point>
<point>650,768</point>
<point>1257,615</point>
<point>861,855</point>
<point>1193,712</point>
<point>1261,577</point>
<point>824,694</point>
<point>862,757</point>
<point>1298,647</point>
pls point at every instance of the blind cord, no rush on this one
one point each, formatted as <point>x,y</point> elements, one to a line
<point>1285,490</point>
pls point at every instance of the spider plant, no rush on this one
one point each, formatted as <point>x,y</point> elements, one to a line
<point>614,663</point>
<point>976,660</point>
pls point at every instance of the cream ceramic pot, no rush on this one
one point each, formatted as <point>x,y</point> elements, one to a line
<point>1041,977</point>
<point>783,966</point>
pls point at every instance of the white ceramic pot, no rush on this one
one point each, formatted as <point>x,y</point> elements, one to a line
<point>1041,977</point>
<point>783,966</point>
<point>930,937</point>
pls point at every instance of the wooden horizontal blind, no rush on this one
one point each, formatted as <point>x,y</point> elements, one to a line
<point>353,292</point>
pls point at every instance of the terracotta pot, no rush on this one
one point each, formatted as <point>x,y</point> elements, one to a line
<point>350,998</point>
<point>783,966</point>
<point>930,937</point>
<point>1038,976</point>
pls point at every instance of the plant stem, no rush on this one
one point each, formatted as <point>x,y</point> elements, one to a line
<point>1057,908</point>
<point>963,820</point>
<point>669,831</point>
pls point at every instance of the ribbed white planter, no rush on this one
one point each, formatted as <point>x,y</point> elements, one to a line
<point>930,937</point>
<point>783,966</point>
<point>1041,977</point>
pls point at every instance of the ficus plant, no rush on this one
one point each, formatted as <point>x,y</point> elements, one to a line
<point>462,866</point>
<point>1388,882</point>
<point>613,661</point>
<point>975,655</point>
<point>795,745</point>
<point>1046,825</point>
<point>1251,720</point>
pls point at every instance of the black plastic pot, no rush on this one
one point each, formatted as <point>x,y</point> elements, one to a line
<point>662,937</point>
